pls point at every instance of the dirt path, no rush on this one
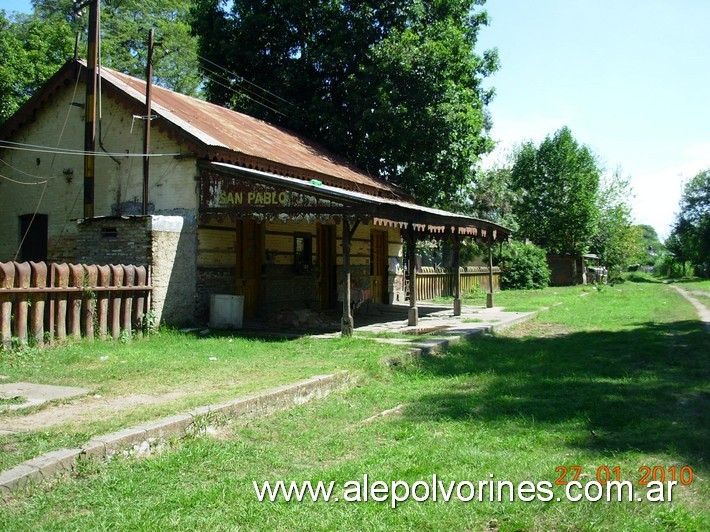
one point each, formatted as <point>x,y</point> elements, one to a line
<point>82,410</point>
<point>702,310</point>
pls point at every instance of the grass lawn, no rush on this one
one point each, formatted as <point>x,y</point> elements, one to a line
<point>187,369</point>
<point>617,378</point>
<point>523,300</point>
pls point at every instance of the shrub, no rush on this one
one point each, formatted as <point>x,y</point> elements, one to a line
<point>524,266</point>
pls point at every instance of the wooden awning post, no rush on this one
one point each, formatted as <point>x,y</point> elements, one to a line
<point>489,297</point>
<point>413,317</point>
<point>346,324</point>
<point>456,243</point>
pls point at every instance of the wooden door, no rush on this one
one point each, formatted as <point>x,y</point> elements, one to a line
<point>327,288</point>
<point>378,266</point>
<point>249,251</point>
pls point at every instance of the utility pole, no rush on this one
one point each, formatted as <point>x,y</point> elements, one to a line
<point>148,111</point>
<point>92,62</point>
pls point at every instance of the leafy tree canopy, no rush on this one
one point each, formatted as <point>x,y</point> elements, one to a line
<point>651,245</point>
<point>394,86</point>
<point>689,240</point>
<point>617,242</point>
<point>556,187</point>
<point>31,52</point>
<point>124,37</point>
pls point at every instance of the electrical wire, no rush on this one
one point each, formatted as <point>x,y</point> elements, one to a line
<point>25,173</point>
<point>229,88</point>
<point>23,182</point>
<point>5,144</point>
<point>237,76</point>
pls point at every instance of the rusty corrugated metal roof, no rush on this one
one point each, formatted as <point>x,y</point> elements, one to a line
<point>221,128</point>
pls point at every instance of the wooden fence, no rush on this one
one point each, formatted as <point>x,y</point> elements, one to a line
<point>41,302</point>
<point>436,282</point>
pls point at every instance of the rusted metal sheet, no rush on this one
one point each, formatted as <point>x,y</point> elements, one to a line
<point>139,306</point>
<point>7,280</point>
<point>92,277</point>
<point>61,279</point>
<point>38,280</point>
<point>23,274</point>
<point>268,146</point>
<point>104,281</point>
<point>72,291</point>
<point>76,274</point>
<point>117,273</point>
<point>129,277</point>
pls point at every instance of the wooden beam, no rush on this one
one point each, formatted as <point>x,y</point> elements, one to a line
<point>413,318</point>
<point>346,323</point>
<point>456,244</point>
<point>489,297</point>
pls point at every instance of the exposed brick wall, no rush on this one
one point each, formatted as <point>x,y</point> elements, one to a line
<point>165,243</point>
<point>212,281</point>
<point>115,240</point>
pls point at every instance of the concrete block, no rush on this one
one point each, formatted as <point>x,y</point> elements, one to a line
<point>55,462</point>
<point>122,438</point>
<point>93,449</point>
<point>174,426</point>
<point>18,477</point>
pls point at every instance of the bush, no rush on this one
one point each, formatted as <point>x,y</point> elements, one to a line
<point>524,266</point>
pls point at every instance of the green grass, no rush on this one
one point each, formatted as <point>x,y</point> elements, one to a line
<point>167,363</point>
<point>11,401</point>
<point>525,300</point>
<point>617,378</point>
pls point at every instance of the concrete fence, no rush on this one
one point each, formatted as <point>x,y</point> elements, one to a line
<point>42,302</point>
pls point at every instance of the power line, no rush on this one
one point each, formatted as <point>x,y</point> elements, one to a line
<point>241,78</point>
<point>235,90</point>
<point>23,182</point>
<point>25,173</point>
<point>229,88</point>
<point>5,144</point>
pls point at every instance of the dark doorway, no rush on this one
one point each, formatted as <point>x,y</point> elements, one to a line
<point>326,266</point>
<point>249,251</point>
<point>33,237</point>
<point>378,266</point>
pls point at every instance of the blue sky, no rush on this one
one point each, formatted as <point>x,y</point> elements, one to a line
<point>23,6</point>
<point>631,78</point>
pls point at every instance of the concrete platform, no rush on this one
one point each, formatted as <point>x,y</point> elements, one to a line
<point>437,327</point>
<point>36,394</point>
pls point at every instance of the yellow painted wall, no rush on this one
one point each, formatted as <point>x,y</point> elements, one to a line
<point>216,245</point>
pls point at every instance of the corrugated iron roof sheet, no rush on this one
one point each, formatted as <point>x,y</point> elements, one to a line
<point>219,127</point>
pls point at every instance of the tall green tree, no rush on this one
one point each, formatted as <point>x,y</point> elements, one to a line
<point>556,187</point>
<point>651,245</point>
<point>615,239</point>
<point>124,35</point>
<point>394,86</point>
<point>31,51</point>
<point>689,240</point>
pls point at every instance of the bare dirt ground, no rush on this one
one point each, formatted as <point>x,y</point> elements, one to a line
<point>88,408</point>
<point>702,310</point>
<point>536,329</point>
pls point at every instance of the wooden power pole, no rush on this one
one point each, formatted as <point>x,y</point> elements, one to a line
<point>148,111</point>
<point>92,63</point>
